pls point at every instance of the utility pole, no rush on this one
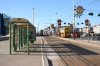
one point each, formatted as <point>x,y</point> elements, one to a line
<point>73,19</point>
<point>33,16</point>
<point>38,28</point>
<point>76,11</point>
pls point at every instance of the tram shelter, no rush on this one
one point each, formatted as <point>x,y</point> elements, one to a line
<point>22,33</point>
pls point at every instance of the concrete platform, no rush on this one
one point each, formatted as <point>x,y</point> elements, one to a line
<point>2,38</point>
<point>21,59</point>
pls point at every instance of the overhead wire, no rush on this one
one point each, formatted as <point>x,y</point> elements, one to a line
<point>92,2</point>
<point>87,9</point>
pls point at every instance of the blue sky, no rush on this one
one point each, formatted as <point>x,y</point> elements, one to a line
<point>48,11</point>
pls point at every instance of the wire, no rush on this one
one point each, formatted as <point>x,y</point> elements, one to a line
<point>92,10</point>
<point>87,7</point>
<point>78,1</point>
<point>91,3</point>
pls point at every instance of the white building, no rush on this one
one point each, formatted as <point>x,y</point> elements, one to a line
<point>86,29</point>
<point>96,29</point>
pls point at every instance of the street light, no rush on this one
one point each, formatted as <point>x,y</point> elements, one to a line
<point>91,14</point>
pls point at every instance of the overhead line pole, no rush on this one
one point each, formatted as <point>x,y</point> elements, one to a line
<point>73,19</point>
<point>33,16</point>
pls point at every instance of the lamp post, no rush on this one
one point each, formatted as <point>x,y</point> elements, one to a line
<point>33,16</point>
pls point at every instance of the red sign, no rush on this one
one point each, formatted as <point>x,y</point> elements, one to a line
<point>87,22</point>
<point>59,22</point>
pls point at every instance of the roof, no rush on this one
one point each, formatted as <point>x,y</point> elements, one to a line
<point>22,22</point>
<point>19,20</point>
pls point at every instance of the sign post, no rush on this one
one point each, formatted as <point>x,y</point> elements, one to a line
<point>77,11</point>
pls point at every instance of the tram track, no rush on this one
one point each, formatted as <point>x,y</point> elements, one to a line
<point>79,53</point>
<point>88,63</point>
<point>47,49</point>
<point>61,59</point>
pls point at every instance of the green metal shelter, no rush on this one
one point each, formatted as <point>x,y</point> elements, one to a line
<point>22,33</point>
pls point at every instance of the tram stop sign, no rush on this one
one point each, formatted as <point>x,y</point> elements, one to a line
<point>59,22</point>
<point>79,9</point>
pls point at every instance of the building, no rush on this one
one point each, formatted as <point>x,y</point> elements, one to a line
<point>96,29</point>
<point>86,30</point>
<point>4,24</point>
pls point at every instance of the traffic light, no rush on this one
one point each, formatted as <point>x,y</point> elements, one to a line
<point>68,23</point>
<point>91,14</point>
<point>99,14</point>
<point>59,22</point>
<point>82,23</point>
<point>64,23</point>
<point>77,23</point>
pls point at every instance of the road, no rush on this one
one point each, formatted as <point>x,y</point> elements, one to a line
<point>72,53</point>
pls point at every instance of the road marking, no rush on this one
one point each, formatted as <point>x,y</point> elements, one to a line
<point>42,52</point>
<point>42,60</point>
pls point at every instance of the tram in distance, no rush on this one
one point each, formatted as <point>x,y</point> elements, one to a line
<point>65,32</point>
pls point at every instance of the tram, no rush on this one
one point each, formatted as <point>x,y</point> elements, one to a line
<point>65,32</point>
<point>41,33</point>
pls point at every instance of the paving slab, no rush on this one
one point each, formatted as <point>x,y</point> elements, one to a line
<point>22,59</point>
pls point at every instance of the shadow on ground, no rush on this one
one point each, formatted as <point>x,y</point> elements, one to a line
<point>61,49</point>
<point>4,38</point>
